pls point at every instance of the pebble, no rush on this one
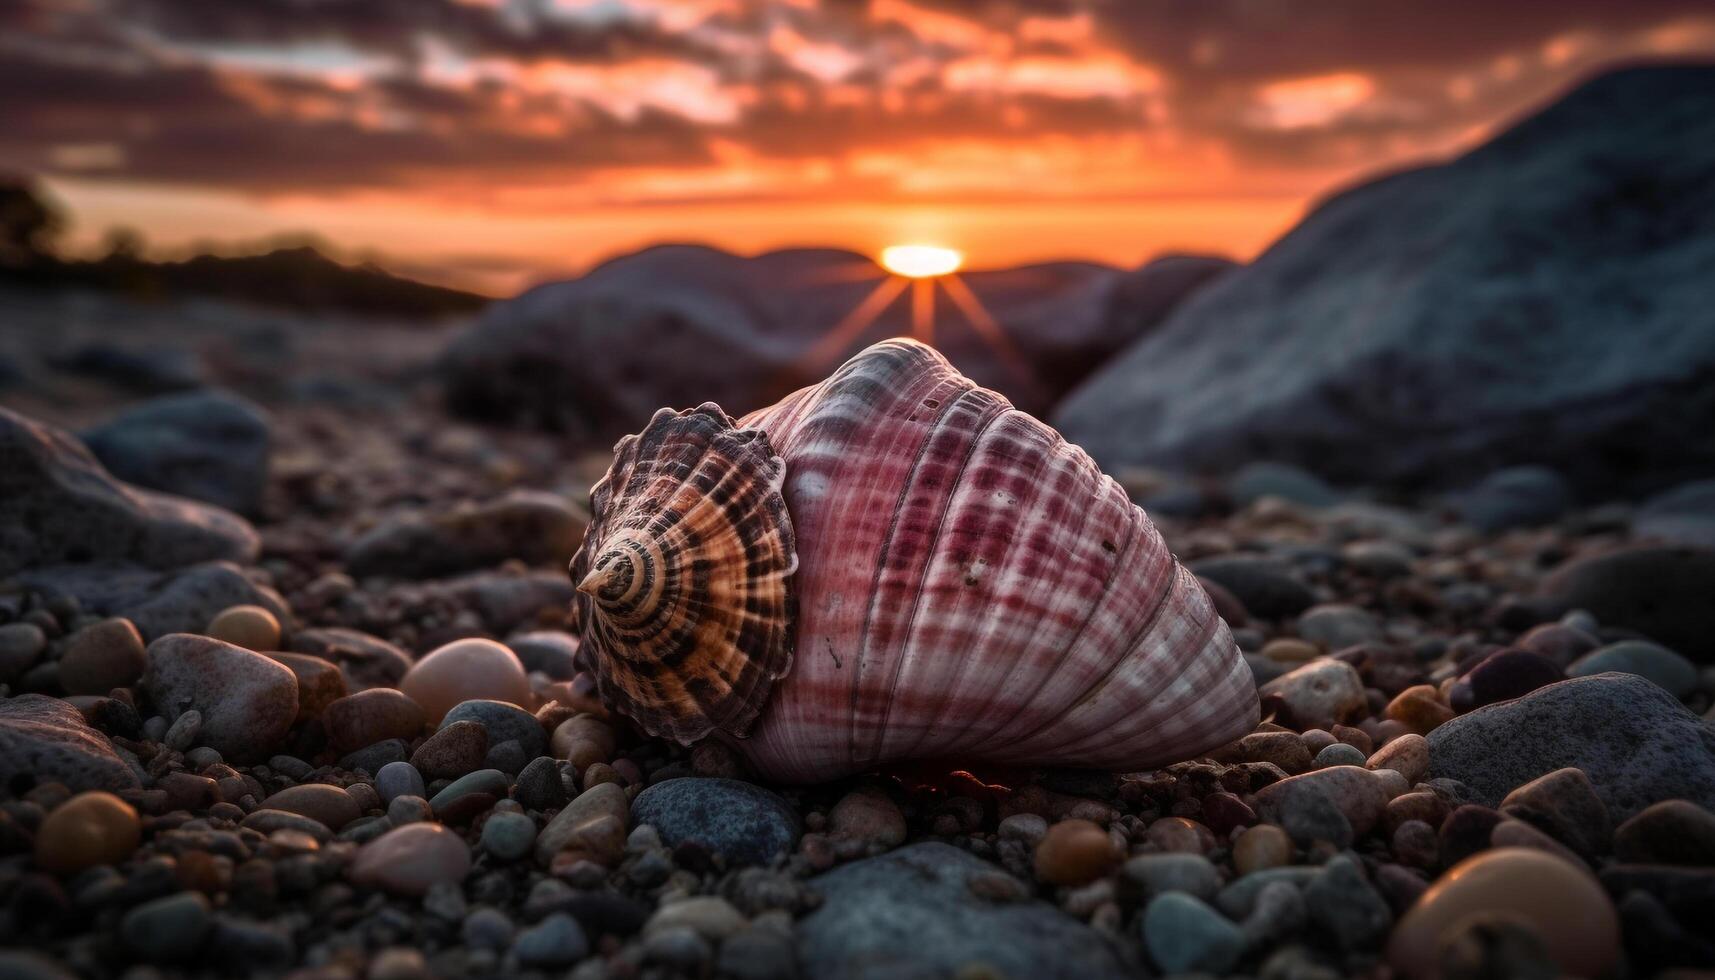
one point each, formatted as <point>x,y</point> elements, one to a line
<point>1316,695</point>
<point>250,627</point>
<point>508,836</point>
<point>492,782</point>
<point>409,860</point>
<point>1185,935</point>
<point>455,750</point>
<point>1560,903</point>
<point>396,779</point>
<point>320,683</point>
<point>606,800</point>
<point>398,963</point>
<point>247,701</point>
<point>371,758</point>
<point>21,644</point>
<point>547,651</point>
<point>463,670</point>
<point>268,821</point>
<point>539,786</point>
<point>1337,625</point>
<point>555,942</point>
<point>1189,873</point>
<point>1503,676</point>
<point>327,805</point>
<point>102,656</point>
<point>1343,903</point>
<point>504,722</point>
<point>1661,592</point>
<point>1669,832</point>
<point>90,829</point>
<point>183,731</point>
<point>1277,914</point>
<point>1339,754</point>
<point>1359,795</point>
<point>679,947</point>
<point>1564,805</point>
<point>168,929</point>
<point>708,916</point>
<point>367,717</point>
<point>405,808</point>
<point>1074,852</point>
<point>1675,674</point>
<point>1180,835</point>
<point>487,928</point>
<point>1407,755</point>
<point>1285,749</point>
<point>870,816</point>
<point>1268,589</point>
<point>741,821</point>
<point>583,740</point>
<point>1027,827</point>
<point>1260,847</point>
<point>758,954</point>
<point>1419,709</point>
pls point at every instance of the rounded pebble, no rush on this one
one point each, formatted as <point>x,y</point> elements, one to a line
<point>1074,852</point>
<point>464,670</point>
<point>88,829</point>
<point>250,627</point>
<point>101,657</point>
<point>412,859</point>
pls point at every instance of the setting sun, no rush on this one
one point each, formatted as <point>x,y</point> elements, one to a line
<point>921,261</point>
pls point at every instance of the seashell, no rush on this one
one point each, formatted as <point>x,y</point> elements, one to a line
<point>895,564</point>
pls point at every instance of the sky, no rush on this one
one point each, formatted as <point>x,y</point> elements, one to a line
<point>496,143</point>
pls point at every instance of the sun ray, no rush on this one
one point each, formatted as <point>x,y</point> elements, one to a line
<point>991,333</point>
<point>923,310</point>
<point>834,342</point>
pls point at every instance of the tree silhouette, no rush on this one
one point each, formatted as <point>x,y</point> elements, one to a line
<point>29,223</point>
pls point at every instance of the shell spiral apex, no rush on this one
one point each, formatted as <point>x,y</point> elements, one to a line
<point>896,564</point>
<point>684,578</point>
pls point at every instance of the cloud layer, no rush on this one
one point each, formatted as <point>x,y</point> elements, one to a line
<point>544,106</point>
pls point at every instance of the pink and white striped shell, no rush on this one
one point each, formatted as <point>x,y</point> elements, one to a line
<point>947,579</point>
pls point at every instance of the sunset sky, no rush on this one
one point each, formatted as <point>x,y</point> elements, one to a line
<point>495,143</point>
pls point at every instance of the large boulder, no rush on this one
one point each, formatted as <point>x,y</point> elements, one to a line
<point>207,445</point>
<point>681,324</point>
<point>1542,299</point>
<point>57,504</point>
<point>44,739</point>
<point>914,913</point>
<point>1636,743</point>
<point>1667,593</point>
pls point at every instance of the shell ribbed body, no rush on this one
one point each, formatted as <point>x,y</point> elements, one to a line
<point>972,587</point>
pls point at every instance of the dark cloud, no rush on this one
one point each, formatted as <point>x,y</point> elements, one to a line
<point>203,91</point>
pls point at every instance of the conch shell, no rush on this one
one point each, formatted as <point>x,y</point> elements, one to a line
<point>895,564</point>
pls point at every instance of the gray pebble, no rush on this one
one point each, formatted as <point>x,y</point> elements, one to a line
<point>1339,754</point>
<point>1344,904</point>
<point>202,757</point>
<point>184,731</point>
<point>167,929</point>
<point>487,928</point>
<point>1193,874</point>
<point>398,779</point>
<point>1183,934</point>
<point>557,941</point>
<point>408,809</point>
<point>678,947</point>
<point>508,836</point>
<point>291,767</point>
<point>508,757</point>
<point>154,728</point>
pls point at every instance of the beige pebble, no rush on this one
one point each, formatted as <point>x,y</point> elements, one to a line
<point>1074,852</point>
<point>1419,709</point>
<point>102,656</point>
<point>371,716</point>
<point>466,670</point>
<point>410,860</point>
<point>88,829</point>
<point>1407,755</point>
<point>250,627</point>
<point>583,740</point>
<point>870,816</point>
<point>1180,835</point>
<point>327,805</point>
<point>1260,847</point>
<point>1562,904</point>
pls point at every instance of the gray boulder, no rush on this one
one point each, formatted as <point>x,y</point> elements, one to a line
<point>44,739</point>
<point>57,504</point>
<point>1541,299</point>
<point>911,913</point>
<point>206,445</point>
<point>180,601</point>
<point>1635,741</point>
<point>680,325</point>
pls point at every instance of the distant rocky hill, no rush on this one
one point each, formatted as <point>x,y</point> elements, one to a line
<point>299,278</point>
<point>1547,298</point>
<point>682,324</point>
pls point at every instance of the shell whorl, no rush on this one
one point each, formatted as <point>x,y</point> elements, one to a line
<point>684,578</point>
